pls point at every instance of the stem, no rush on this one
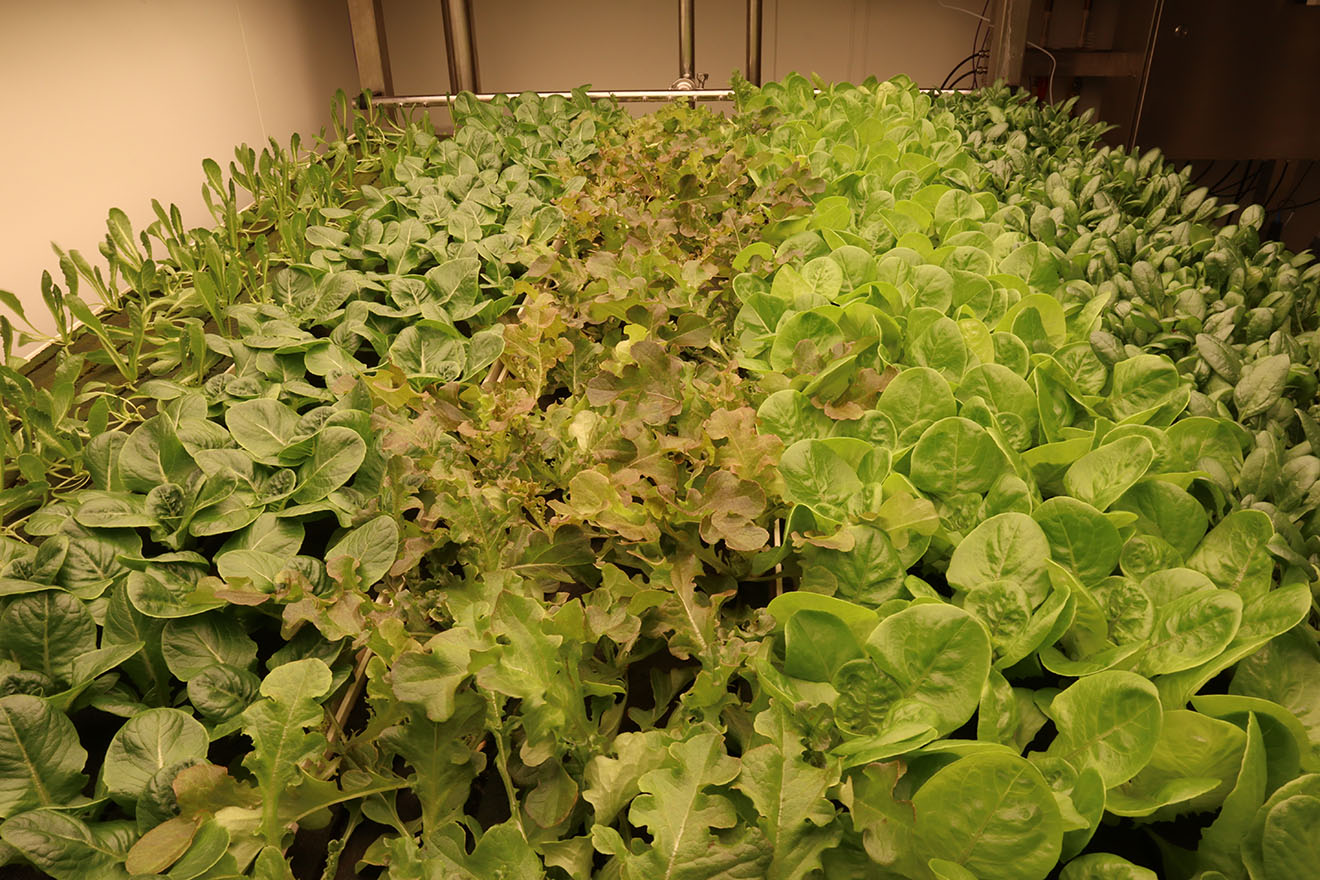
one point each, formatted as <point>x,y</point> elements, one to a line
<point>501,757</point>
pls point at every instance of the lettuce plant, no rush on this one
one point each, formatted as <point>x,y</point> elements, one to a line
<point>865,484</point>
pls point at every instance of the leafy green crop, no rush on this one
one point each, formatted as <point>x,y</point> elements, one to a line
<point>864,485</point>
<point>1236,314</point>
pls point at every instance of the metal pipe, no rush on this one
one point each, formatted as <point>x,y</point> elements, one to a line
<point>1152,38</point>
<point>459,49</point>
<point>753,72</point>
<point>687,42</point>
<point>620,95</point>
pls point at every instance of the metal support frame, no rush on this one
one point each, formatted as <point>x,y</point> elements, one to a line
<point>1008,41</point>
<point>372,55</point>
<point>1156,13</point>
<point>687,47</point>
<point>460,46</point>
<point>753,72</point>
<point>623,96</point>
<point>373,61</point>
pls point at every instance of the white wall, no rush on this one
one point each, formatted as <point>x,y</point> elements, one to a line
<point>115,102</point>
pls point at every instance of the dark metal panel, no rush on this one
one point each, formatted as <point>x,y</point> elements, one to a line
<point>1233,79</point>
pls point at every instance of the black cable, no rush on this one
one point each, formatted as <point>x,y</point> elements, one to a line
<point>1242,184</point>
<point>1283,172</point>
<point>957,67</point>
<point>980,23</point>
<point>971,73</point>
<point>1292,193</point>
<point>1249,188</point>
<point>1238,186</point>
<point>1204,172</point>
<point>1233,166</point>
<point>1306,204</point>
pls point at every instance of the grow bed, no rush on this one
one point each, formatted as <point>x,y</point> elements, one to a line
<point>865,485</point>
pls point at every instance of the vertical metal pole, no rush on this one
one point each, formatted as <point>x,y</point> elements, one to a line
<point>1008,43</point>
<point>687,41</point>
<point>753,71</point>
<point>459,46</point>
<point>369,49</point>
<point>1156,15</point>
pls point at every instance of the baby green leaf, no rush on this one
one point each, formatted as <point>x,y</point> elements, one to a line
<point>63,847</point>
<point>264,427</point>
<point>430,352</point>
<point>47,632</point>
<point>993,814</point>
<point>278,726</point>
<point>1101,476</point>
<point>41,760</point>
<point>150,740</point>
<point>1111,721</point>
<point>191,645</point>
<point>956,455</point>
<point>1009,546</point>
<point>369,549</point>
<point>939,657</point>
<point>338,454</point>
<point>1261,384</point>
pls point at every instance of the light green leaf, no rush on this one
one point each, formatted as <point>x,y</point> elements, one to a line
<point>1101,476</point>
<point>1008,546</point>
<point>790,795</point>
<point>1111,721</point>
<point>956,455</point>
<point>1080,537</point>
<point>682,814</point>
<point>281,741</point>
<point>1234,554</point>
<point>370,550</point>
<point>1191,630</point>
<point>993,814</point>
<point>938,656</point>
<point>1105,866</point>
<point>818,477</point>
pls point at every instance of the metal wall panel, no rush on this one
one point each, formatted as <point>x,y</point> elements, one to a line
<point>1235,79</point>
